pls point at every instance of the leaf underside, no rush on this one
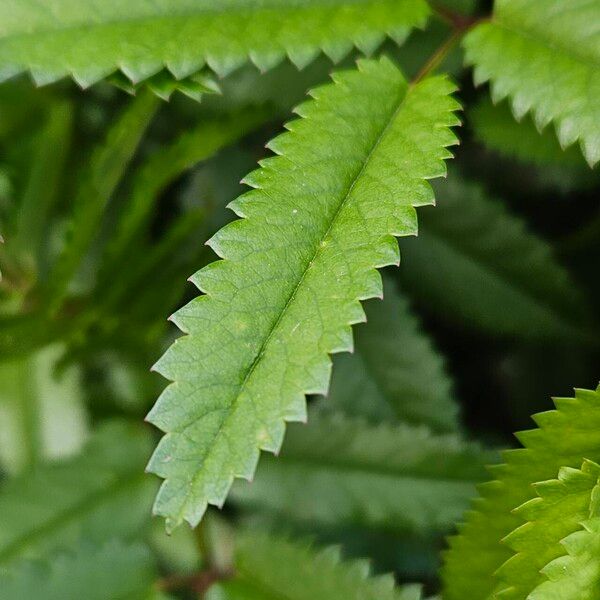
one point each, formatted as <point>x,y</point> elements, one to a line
<point>545,56</point>
<point>73,38</point>
<point>321,218</point>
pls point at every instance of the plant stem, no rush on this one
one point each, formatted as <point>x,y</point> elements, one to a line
<point>460,25</point>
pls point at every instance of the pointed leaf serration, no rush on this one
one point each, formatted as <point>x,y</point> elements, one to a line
<point>565,438</point>
<point>545,56</point>
<point>91,40</point>
<point>322,217</point>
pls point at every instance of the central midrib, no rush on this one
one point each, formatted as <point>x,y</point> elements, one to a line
<point>291,297</point>
<point>144,20</point>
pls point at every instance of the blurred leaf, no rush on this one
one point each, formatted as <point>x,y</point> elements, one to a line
<point>98,181</point>
<point>461,6</point>
<point>42,415</point>
<point>335,471</point>
<point>107,572</point>
<point>269,567</point>
<point>179,551</point>
<point>91,42</point>
<point>496,127</point>
<point>394,370</point>
<point>100,494</point>
<point>162,168</point>
<point>21,107</point>
<point>476,263</point>
<point>21,334</point>
<point>545,57</point>
<point>42,187</point>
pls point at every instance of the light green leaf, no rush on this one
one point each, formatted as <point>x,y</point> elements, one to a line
<point>42,413</point>
<point>100,494</point>
<point>558,511</point>
<point>322,216</point>
<point>344,472</point>
<point>477,263</point>
<point>89,42</point>
<point>107,572</point>
<point>566,436</point>
<point>545,56</point>
<point>577,575</point>
<point>270,568</point>
<point>394,370</point>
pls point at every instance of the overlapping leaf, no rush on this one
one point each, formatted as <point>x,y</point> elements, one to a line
<point>545,56</point>
<point>476,262</point>
<point>100,494</point>
<point>394,371</point>
<point>322,216</point>
<point>566,436</point>
<point>343,472</point>
<point>270,567</point>
<point>558,511</point>
<point>496,127</point>
<point>575,576</point>
<point>42,412</point>
<point>89,41</point>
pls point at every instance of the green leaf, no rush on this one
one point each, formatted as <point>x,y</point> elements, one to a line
<point>565,438</point>
<point>162,168</point>
<point>544,56</point>
<point>394,370</point>
<point>269,568</point>
<point>335,471</point>
<point>561,506</point>
<point>42,412</point>
<point>100,494</point>
<point>577,575</point>
<point>164,84</point>
<point>477,263</point>
<point>321,217</point>
<point>497,128</point>
<point>99,180</point>
<point>140,38</point>
<point>43,183</point>
<point>555,168</point>
<point>110,571</point>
